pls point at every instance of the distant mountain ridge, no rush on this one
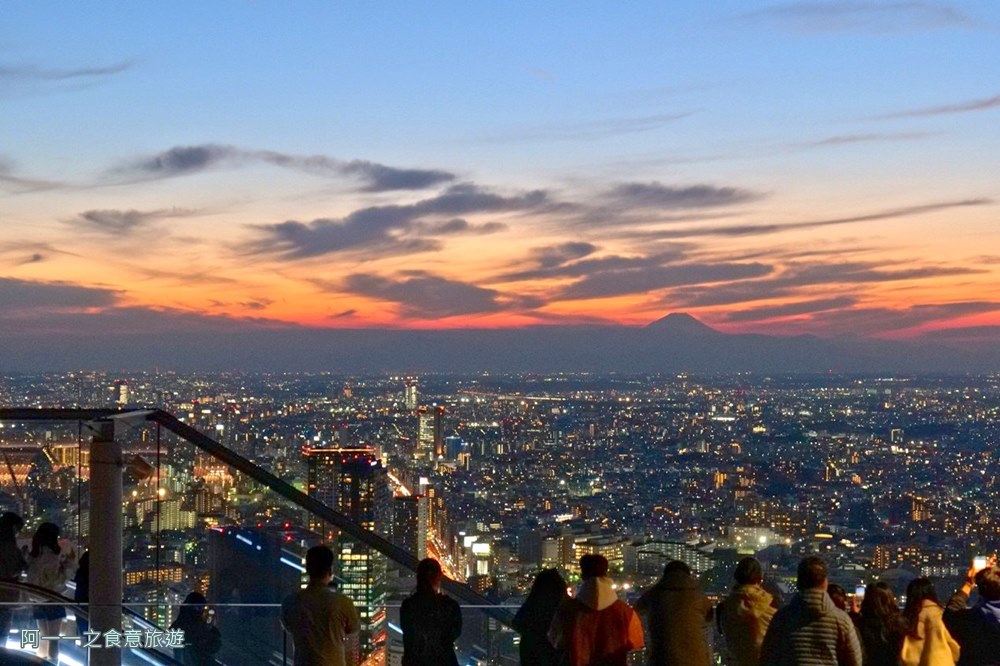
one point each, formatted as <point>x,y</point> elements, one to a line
<point>677,342</point>
<point>681,323</point>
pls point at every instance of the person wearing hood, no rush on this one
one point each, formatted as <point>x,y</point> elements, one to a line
<point>677,613</point>
<point>811,631</point>
<point>744,616</point>
<point>596,628</point>
<point>927,641</point>
<point>977,629</point>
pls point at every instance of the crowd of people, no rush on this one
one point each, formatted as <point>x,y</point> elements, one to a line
<point>819,626</point>
<point>50,563</point>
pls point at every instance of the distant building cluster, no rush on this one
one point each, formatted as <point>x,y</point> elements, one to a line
<point>499,476</point>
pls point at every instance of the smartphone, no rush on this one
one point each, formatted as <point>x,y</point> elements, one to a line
<point>859,591</point>
<point>979,562</point>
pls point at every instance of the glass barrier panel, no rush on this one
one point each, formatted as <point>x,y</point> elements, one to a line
<point>59,634</point>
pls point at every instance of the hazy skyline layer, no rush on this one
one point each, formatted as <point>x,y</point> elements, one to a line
<point>791,167</point>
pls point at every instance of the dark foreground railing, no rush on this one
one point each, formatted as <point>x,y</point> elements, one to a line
<point>32,596</point>
<point>463,593</point>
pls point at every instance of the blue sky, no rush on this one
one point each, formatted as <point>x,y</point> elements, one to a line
<point>814,111</point>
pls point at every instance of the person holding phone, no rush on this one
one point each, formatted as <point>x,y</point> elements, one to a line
<point>977,629</point>
<point>202,639</point>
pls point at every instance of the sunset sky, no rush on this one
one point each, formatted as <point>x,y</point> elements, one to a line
<point>781,167</point>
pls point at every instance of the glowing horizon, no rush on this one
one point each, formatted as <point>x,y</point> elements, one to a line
<point>804,167</point>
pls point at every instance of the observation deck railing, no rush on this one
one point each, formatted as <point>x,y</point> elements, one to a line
<point>249,617</point>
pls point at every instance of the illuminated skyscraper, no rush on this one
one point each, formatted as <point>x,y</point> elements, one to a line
<point>409,524</point>
<point>363,495</point>
<point>322,483</point>
<point>121,392</point>
<point>411,397</point>
<point>430,432</point>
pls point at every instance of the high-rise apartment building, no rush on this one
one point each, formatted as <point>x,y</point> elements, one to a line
<point>322,483</point>
<point>121,393</point>
<point>411,396</point>
<point>430,432</point>
<point>410,520</point>
<point>363,495</point>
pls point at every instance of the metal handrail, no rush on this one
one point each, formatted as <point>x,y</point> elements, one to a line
<point>402,557</point>
<point>80,610</point>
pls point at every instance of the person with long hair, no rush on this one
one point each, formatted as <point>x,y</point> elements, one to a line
<point>927,641</point>
<point>49,567</point>
<point>534,618</point>
<point>11,565</point>
<point>432,622</point>
<point>202,640</point>
<point>880,626</point>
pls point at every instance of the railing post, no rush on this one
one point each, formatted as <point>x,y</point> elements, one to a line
<point>106,466</point>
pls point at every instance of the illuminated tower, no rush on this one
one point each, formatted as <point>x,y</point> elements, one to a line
<point>322,483</point>
<point>121,394</point>
<point>409,524</point>
<point>411,398</point>
<point>363,495</point>
<point>430,432</point>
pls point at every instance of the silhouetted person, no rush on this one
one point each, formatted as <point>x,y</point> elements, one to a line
<point>432,622</point>
<point>318,618</point>
<point>596,628</point>
<point>745,614</point>
<point>534,618</point>
<point>810,630</point>
<point>977,629</point>
<point>838,596</point>
<point>12,563</point>
<point>82,593</point>
<point>49,567</point>
<point>840,599</point>
<point>880,626</point>
<point>677,613</point>
<point>927,641</point>
<point>202,640</point>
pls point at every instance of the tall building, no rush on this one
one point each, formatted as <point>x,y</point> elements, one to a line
<point>411,397</point>
<point>363,495</point>
<point>322,483</point>
<point>453,447</point>
<point>430,432</point>
<point>410,520</point>
<point>121,393</point>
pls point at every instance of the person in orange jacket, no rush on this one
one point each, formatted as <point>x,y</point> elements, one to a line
<point>596,628</point>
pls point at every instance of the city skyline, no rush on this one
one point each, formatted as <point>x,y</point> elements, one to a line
<point>785,168</point>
